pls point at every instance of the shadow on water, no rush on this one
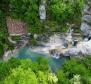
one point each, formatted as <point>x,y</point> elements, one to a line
<point>53,63</point>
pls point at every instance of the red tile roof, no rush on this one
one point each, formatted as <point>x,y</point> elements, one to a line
<point>16,27</point>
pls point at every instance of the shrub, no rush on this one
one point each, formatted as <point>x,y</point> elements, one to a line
<point>65,11</point>
<point>21,76</point>
<point>71,68</point>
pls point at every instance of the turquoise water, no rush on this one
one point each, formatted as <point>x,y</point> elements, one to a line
<point>53,63</point>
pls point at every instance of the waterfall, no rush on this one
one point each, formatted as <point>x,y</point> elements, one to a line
<point>69,35</point>
<point>56,55</point>
<point>55,41</point>
<point>42,10</point>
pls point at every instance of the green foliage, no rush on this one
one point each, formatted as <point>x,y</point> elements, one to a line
<point>52,26</point>
<point>5,67</point>
<point>3,32</point>
<point>43,62</point>
<point>26,10</point>
<point>60,11</point>
<point>37,27</point>
<point>22,8</point>
<point>64,28</point>
<point>1,50</point>
<point>42,78</point>
<point>21,71</point>
<point>32,41</point>
<point>3,27</point>
<point>4,43</point>
<point>52,78</point>
<point>16,38</point>
<point>17,71</point>
<point>70,69</point>
<point>21,76</point>
<point>62,79</point>
<point>4,5</point>
<point>66,10</point>
<point>87,62</point>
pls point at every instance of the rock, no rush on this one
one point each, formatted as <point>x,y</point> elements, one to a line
<point>83,48</point>
<point>87,10</point>
<point>86,19</point>
<point>69,38</point>
<point>72,52</point>
<point>85,28</point>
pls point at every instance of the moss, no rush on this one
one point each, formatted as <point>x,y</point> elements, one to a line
<point>16,38</point>
<point>32,42</point>
<point>77,30</point>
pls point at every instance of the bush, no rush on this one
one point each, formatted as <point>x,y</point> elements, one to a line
<point>3,28</point>
<point>26,10</point>
<point>17,71</point>
<point>32,42</point>
<point>71,68</point>
<point>21,76</point>
<point>5,67</point>
<point>3,32</point>
<point>16,38</point>
<point>66,11</point>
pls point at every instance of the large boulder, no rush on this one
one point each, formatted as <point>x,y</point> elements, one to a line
<point>85,28</point>
<point>86,19</point>
<point>83,48</point>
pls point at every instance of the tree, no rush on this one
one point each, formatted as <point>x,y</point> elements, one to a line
<point>65,11</point>
<point>73,67</point>
<point>4,5</point>
<point>6,67</point>
<point>3,32</point>
<point>23,72</point>
<point>21,76</point>
<point>62,79</point>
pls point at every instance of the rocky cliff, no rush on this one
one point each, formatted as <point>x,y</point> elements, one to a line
<point>86,19</point>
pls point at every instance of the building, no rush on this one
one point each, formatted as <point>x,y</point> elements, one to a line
<point>16,27</point>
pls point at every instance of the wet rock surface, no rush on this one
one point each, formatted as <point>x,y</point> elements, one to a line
<point>83,48</point>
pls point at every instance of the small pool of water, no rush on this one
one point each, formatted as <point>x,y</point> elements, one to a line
<point>53,63</point>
